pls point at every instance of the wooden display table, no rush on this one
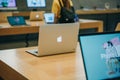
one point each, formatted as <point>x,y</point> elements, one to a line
<point>6,29</point>
<point>16,64</point>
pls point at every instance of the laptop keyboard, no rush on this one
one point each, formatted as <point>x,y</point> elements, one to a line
<point>36,51</point>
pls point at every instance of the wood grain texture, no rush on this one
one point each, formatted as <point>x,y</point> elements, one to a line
<point>117,27</point>
<point>98,11</point>
<point>6,29</point>
<point>22,65</point>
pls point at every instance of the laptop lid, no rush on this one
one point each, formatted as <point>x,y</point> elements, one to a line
<point>57,39</point>
<point>16,20</point>
<point>49,18</point>
<point>36,15</point>
<point>101,55</point>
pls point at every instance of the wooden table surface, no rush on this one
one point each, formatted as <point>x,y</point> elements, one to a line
<point>79,11</point>
<point>16,64</point>
<point>118,27</point>
<point>91,24</point>
<point>6,29</point>
<point>97,11</point>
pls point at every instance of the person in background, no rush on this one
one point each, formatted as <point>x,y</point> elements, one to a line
<point>56,8</point>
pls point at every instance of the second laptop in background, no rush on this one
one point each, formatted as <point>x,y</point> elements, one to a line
<point>49,18</point>
<point>36,15</point>
<point>16,20</point>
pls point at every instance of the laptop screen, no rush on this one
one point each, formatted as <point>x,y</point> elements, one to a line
<point>16,20</point>
<point>101,55</point>
<point>49,17</point>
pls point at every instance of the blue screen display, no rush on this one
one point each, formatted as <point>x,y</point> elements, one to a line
<point>36,3</point>
<point>101,54</point>
<point>7,3</point>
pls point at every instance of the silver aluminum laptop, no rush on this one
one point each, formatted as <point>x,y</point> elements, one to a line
<point>36,15</point>
<point>56,39</point>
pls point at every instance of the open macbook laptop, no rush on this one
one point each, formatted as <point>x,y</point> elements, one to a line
<point>49,18</point>
<point>16,20</point>
<point>36,15</point>
<point>101,55</point>
<point>56,39</point>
